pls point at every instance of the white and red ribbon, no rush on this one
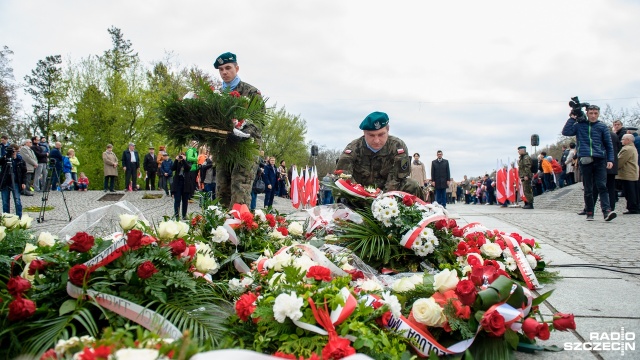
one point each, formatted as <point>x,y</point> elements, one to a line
<point>523,265</point>
<point>338,315</point>
<point>410,236</point>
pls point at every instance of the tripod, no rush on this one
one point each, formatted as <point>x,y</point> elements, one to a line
<point>45,193</point>
<point>9,167</point>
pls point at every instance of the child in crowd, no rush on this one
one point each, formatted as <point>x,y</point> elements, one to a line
<point>83,182</point>
<point>66,169</point>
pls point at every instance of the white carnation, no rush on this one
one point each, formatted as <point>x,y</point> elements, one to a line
<point>206,264</point>
<point>277,262</point>
<point>235,285</point>
<point>511,264</point>
<point>295,228</point>
<point>46,239</point>
<point>220,235</point>
<point>394,304</point>
<point>491,250</point>
<point>260,214</point>
<point>287,306</point>
<point>303,263</point>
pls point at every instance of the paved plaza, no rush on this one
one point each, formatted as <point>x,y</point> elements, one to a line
<point>593,258</point>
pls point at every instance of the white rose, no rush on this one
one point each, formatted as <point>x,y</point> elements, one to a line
<point>277,262</point>
<point>235,285</point>
<point>46,239</point>
<point>136,354</point>
<point>220,235</point>
<point>25,221</point>
<point>127,221</point>
<point>428,312</point>
<point>330,237</point>
<point>303,263</point>
<point>347,267</point>
<point>28,253</point>
<point>445,280</point>
<point>417,279</point>
<point>295,228</point>
<point>206,264</point>
<point>10,220</point>
<point>183,229</point>
<point>25,272</point>
<point>276,234</point>
<point>167,230</point>
<point>203,248</point>
<point>260,214</point>
<point>368,285</point>
<point>402,285</point>
<point>3,232</point>
<point>287,306</point>
<point>491,250</point>
<point>532,261</point>
<point>525,248</point>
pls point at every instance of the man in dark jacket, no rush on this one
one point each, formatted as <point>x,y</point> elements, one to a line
<point>595,150</point>
<point>56,155</point>
<point>440,177</point>
<point>7,184</point>
<point>150,165</point>
<point>165,173</point>
<point>130,165</point>
<point>270,179</point>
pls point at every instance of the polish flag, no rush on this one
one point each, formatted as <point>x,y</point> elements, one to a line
<point>295,197</point>
<point>313,195</point>
<point>501,182</point>
<point>511,196</point>
<point>302,187</point>
<point>519,181</point>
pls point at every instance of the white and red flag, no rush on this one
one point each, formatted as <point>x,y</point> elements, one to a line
<point>295,196</point>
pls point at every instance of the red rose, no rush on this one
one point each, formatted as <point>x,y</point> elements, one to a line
<point>446,327</point>
<point>196,220</point>
<point>462,250</point>
<point>271,219</point>
<point>81,242</point>
<point>235,94</point>
<point>146,270</point>
<point>78,274</point>
<point>407,200</point>
<point>147,240</point>
<point>440,224</point>
<point>383,320</point>
<point>283,230</point>
<point>134,238</point>
<point>530,242</point>
<point>177,247</point>
<point>517,237</point>
<point>320,273</point>
<point>543,332</point>
<point>530,327</point>
<point>337,348</point>
<point>452,224</point>
<point>18,285</point>
<point>49,355</point>
<point>457,232</point>
<point>37,265</point>
<point>501,244</point>
<point>462,311</point>
<point>356,274</point>
<point>563,322</point>
<point>20,309</point>
<point>473,261</point>
<point>245,306</point>
<point>466,291</point>
<point>476,275</point>
<point>493,323</point>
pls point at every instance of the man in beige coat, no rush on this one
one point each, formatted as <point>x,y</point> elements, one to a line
<point>110,161</point>
<point>30,159</point>
<point>628,173</point>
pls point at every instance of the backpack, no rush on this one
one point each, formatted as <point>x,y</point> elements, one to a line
<point>534,166</point>
<point>557,169</point>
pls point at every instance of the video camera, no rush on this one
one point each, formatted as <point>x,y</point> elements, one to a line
<point>9,152</point>
<point>576,109</point>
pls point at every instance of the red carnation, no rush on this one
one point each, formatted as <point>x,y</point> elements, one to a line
<point>78,274</point>
<point>517,237</point>
<point>235,94</point>
<point>147,240</point>
<point>319,273</point>
<point>337,348</point>
<point>134,238</point>
<point>493,323</point>
<point>49,355</point>
<point>81,242</point>
<point>280,219</point>
<point>245,306</point>
<point>452,224</point>
<point>196,219</point>
<point>501,244</point>
<point>18,285</point>
<point>457,232</point>
<point>271,219</point>
<point>37,265</point>
<point>563,322</point>
<point>283,230</point>
<point>102,351</point>
<point>20,309</point>
<point>407,200</point>
<point>466,291</point>
<point>146,270</point>
<point>177,247</point>
<point>355,274</point>
<point>530,242</point>
<point>282,355</point>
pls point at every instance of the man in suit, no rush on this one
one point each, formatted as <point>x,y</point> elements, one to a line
<point>130,165</point>
<point>441,177</point>
<point>150,165</point>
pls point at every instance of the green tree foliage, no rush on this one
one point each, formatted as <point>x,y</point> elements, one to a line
<point>47,88</point>
<point>8,102</point>
<point>284,137</point>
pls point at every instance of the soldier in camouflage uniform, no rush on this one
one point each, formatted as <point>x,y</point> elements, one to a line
<point>524,171</point>
<point>379,159</point>
<point>233,181</point>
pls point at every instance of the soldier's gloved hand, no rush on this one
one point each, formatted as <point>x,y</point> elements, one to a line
<point>239,135</point>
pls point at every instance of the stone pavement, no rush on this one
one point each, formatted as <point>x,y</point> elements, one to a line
<point>594,287</point>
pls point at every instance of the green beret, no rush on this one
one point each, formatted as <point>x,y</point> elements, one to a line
<point>522,147</point>
<point>374,121</point>
<point>225,59</point>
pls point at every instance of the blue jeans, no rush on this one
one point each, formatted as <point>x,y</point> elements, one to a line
<point>211,189</point>
<point>6,198</point>
<point>441,197</point>
<point>254,200</point>
<point>328,197</point>
<point>595,175</point>
<point>268,197</point>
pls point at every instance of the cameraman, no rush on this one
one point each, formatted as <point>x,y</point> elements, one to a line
<point>181,186</point>
<point>7,185</point>
<point>595,151</point>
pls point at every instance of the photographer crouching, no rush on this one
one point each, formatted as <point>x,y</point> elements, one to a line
<point>595,153</point>
<point>13,178</point>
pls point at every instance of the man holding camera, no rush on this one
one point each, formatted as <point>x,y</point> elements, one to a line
<point>595,152</point>
<point>14,177</point>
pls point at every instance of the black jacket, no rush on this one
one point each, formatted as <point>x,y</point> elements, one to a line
<point>440,173</point>
<point>57,155</point>
<point>126,159</point>
<point>150,163</point>
<point>40,154</point>
<point>19,172</point>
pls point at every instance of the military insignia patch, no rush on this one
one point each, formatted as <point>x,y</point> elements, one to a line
<point>220,61</point>
<point>401,151</point>
<point>404,164</point>
<point>347,151</point>
<point>377,125</point>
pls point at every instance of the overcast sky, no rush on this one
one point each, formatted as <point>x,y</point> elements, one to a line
<point>472,78</point>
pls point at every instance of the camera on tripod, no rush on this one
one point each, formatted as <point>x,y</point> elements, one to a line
<point>52,163</point>
<point>9,152</point>
<point>576,109</point>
